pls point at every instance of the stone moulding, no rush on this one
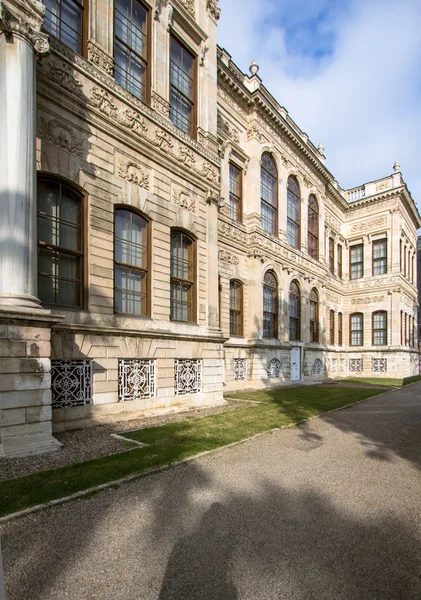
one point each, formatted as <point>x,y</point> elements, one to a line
<point>62,135</point>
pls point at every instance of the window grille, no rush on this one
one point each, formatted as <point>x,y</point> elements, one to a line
<point>71,383</point>
<point>379,365</point>
<point>334,365</point>
<point>355,365</point>
<point>273,368</point>
<point>187,376</point>
<point>136,379</point>
<point>240,369</point>
<point>317,368</point>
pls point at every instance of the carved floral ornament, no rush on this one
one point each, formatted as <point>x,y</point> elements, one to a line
<point>184,200</point>
<point>213,9</point>
<point>99,58</point>
<point>27,23</point>
<point>378,222</point>
<point>132,172</point>
<point>61,134</point>
<point>367,300</point>
<point>227,257</point>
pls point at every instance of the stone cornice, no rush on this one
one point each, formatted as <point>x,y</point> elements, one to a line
<point>25,18</point>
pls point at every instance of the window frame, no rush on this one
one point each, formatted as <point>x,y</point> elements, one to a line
<point>193,283</point>
<point>381,258</point>
<point>314,323</point>
<point>84,33</point>
<point>275,209</point>
<point>360,262</point>
<point>351,330</point>
<point>382,329</point>
<point>340,329</point>
<point>295,320</point>
<point>147,94</point>
<point>275,300</point>
<point>186,48</point>
<point>332,255</point>
<point>313,236</point>
<point>83,254</point>
<point>289,219</point>
<point>239,199</point>
<point>240,311</point>
<point>332,327</point>
<point>339,259</point>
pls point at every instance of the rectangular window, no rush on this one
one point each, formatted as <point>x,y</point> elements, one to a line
<point>380,328</point>
<point>236,308</point>
<point>402,336</point>
<point>339,260</point>
<point>235,183</point>
<point>131,47</point>
<point>400,255</point>
<point>332,326</point>
<point>182,277</point>
<point>356,329</point>
<point>182,93</point>
<point>406,329</point>
<point>379,257</point>
<point>356,260</point>
<point>64,20</point>
<point>412,278</point>
<point>340,325</point>
<point>331,256</point>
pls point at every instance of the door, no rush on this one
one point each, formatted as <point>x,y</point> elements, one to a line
<point>296,364</point>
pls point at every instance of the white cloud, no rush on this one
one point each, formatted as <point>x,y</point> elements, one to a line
<point>362,100</point>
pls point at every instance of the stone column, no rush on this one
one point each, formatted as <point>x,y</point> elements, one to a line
<point>20,41</point>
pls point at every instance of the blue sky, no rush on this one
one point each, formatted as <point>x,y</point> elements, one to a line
<point>348,72</point>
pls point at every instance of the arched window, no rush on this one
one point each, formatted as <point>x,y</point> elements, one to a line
<point>313,227</point>
<point>314,316</point>
<point>182,276</point>
<point>236,308</point>
<point>380,328</point>
<point>293,212</point>
<point>60,243</point>
<point>356,329</point>
<point>270,305</point>
<point>269,194</point>
<point>294,312</point>
<point>130,263</point>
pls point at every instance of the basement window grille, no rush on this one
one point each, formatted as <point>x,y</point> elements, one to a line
<point>71,383</point>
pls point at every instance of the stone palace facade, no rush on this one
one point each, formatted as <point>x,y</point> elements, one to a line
<point>168,232</point>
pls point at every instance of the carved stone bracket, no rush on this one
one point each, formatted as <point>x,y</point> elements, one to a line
<point>202,54</point>
<point>213,9</point>
<point>257,254</point>
<point>189,6</point>
<point>97,57</point>
<point>170,17</point>
<point>25,19</point>
<point>212,198</point>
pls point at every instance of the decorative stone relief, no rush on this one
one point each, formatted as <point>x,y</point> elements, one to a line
<point>132,172</point>
<point>240,369</point>
<point>273,368</point>
<point>213,9</point>
<point>160,104</point>
<point>157,9</point>
<point>330,220</point>
<point>367,300</point>
<point>104,102</point>
<point>227,257</point>
<point>379,222</point>
<point>210,172</point>
<point>253,130</point>
<point>189,6</point>
<point>186,156</point>
<point>231,232</point>
<point>332,298</point>
<point>162,140</point>
<point>170,17</point>
<point>202,53</point>
<point>65,76</point>
<point>62,135</point>
<point>184,200</point>
<point>97,57</point>
<point>227,128</point>
<point>379,365</point>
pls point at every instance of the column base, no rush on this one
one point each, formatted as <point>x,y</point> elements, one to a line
<point>17,301</point>
<point>20,445</point>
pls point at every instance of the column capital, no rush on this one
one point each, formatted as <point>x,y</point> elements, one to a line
<point>25,18</point>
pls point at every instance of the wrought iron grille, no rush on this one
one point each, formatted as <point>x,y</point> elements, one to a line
<point>187,376</point>
<point>240,369</point>
<point>342,365</point>
<point>355,365</point>
<point>317,368</point>
<point>71,383</point>
<point>136,379</point>
<point>334,365</point>
<point>273,368</point>
<point>379,365</point>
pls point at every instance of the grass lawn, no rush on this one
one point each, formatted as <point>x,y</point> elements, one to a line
<point>383,380</point>
<point>176,441</point>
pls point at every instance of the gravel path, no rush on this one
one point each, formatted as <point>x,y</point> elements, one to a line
<point>85,444</point>
<point>326,511</point>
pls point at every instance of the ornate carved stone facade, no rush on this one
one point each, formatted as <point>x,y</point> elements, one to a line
<point>191,320</point>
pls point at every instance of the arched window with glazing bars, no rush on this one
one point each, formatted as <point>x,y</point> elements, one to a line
<point>294,312</point>
<point>270,305</point>
<point>314,316</point>
<point>313,227</point>
<point>293,212</point>
<point>269,194</point>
